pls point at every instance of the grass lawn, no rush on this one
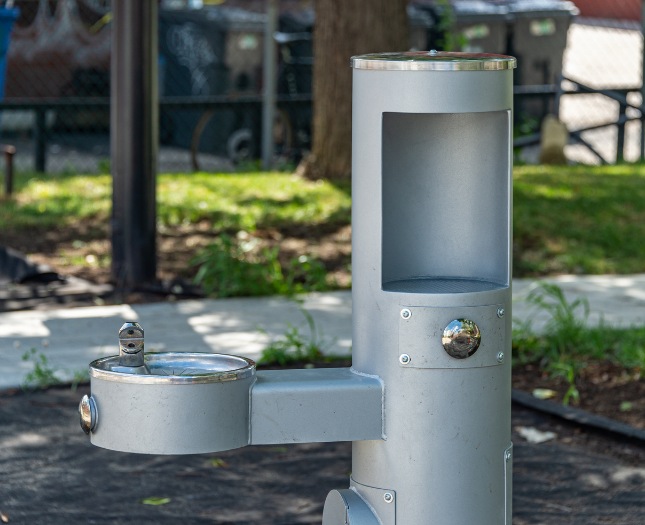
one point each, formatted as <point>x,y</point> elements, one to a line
<point>228,201</point>
<point>566,219</point>
<point>579,220</point>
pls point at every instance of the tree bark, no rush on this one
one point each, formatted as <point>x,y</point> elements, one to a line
<point>345,28</point>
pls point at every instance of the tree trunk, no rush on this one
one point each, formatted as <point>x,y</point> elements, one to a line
<point>345,28</point>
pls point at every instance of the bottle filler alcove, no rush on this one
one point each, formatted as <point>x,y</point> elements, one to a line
<point>426,402</point>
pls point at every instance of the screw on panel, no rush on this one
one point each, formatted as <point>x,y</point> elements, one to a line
<point>404,359</point>
<point>406,313</point>
<point>500,357</point>
<point>500,312</point>
<point>388,497</point>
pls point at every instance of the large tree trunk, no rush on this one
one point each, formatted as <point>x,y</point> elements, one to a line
<point>345,28</point>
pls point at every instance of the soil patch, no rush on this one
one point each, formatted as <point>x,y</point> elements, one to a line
<point>83,250</point>
<point>51,474</point>
<point>606,389</point>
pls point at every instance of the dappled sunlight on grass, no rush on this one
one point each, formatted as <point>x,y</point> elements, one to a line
<point>249,201</point>
<point>579,219</point>
<point>56,200</point>
<point>574,219</point>
<point>227,201</point>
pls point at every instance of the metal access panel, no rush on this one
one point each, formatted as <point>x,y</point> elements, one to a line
<point>421,334</point>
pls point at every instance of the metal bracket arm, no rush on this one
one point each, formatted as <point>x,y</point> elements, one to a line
<point>315,405</point>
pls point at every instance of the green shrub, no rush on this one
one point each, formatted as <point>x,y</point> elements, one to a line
<point>295,347</point>
<point>227,269</point>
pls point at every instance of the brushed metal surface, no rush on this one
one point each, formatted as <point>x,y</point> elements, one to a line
<point>346,507</point>
<point>177,368</point>
<point>171,418</point>
<point>433,61</point>
<point>421,335</point>
<point>317,405</point>
<point>431,198</point>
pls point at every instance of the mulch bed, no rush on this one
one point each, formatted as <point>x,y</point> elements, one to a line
<point>177,246</point>
<point>51,474</point>
<point>603,388</point>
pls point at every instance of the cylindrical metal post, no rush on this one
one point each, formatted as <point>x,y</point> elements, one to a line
<point>269,81</point>
<point>134,139</point>
<point>431,254</point>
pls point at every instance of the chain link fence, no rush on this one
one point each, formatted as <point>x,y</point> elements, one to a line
<point>55,107</point>
<point>605,52</point>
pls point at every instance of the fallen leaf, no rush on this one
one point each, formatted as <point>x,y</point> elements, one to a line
<point>544,393</point>
<point>218,462</point>
<point>533,435</point>
<point>625,406</point>
<point>155,501</point>
<point>4,518</point>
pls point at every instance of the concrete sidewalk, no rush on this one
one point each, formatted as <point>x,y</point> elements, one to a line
<point>72,337</point>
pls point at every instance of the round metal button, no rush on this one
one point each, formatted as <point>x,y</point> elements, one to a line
<point>87,414</point>
<point>461,338</point>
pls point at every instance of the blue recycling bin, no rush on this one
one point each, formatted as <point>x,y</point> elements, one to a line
<point>7,18</point>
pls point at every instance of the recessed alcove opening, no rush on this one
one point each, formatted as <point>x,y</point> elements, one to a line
<point>446,201</point>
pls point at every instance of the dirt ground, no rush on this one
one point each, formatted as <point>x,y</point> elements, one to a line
<point>603,388</point>
<point>83,250</point>
<point>50,474</point>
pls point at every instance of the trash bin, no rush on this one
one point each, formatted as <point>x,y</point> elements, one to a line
<point>482,25</point>
<point>7,18</point>
<point>477,26</point>
<point>192,50</point>
<point>431,295</point>
<point>539,37</point>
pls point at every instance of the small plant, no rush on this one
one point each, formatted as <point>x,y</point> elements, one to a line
<point>42,375</point>
<point>569,371</point>
<point>565,333</point>
<point>295,347</point>
<point>229,269</point>
<point>567,343</point>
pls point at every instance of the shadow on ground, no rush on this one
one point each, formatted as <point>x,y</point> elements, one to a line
<point>51,474</point>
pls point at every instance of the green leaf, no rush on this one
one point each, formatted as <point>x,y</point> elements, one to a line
<point>625,406</point>
<point>155,501</point>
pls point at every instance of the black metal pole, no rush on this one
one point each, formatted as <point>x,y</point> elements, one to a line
<point>620,142</point>
<point>40,141</point>
<point>134,139</point>
<point>9,152</point>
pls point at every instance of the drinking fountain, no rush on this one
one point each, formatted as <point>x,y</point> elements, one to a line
<point>427,400</point>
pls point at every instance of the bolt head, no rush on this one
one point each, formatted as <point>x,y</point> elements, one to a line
<point>500,357</point>
<point>406,313</point>
<point>388,497</point>
<point>500,312</point>
<point>404,359</point>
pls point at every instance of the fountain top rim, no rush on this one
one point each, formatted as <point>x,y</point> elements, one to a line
<point>177,368</point>
<point>433,61</point>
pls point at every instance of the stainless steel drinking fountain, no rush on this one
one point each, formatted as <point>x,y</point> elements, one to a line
<point>427,400</point>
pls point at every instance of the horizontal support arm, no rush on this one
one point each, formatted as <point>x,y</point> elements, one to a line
<point>315,405</point>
